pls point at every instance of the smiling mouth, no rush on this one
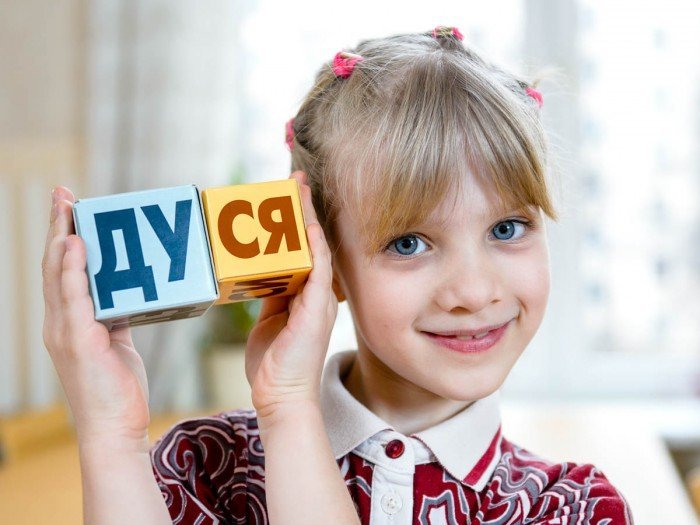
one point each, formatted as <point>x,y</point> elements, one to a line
<point>468,337</point>
<point>470,344</point>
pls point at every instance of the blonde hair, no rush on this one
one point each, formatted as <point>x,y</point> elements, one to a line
<point>415,119</point>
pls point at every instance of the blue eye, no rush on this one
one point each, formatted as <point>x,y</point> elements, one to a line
<point>505,228</point>
<point>406,244</point>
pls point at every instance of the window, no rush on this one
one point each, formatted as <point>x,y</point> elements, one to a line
<point>640,116</point>
<point>623,315</point>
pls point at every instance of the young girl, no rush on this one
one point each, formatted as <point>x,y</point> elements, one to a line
<point>426,165</point>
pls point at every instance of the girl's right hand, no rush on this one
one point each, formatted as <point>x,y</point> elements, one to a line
<point>102,374</point>
<point>287,347</point>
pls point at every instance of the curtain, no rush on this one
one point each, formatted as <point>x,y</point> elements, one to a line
<point>164,109</point>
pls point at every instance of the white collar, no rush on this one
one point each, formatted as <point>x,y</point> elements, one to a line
<point>467,445</point>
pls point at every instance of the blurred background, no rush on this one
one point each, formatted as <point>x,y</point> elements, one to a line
<point>107,96</point>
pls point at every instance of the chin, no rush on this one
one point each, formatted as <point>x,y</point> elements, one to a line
<point>468,389</point>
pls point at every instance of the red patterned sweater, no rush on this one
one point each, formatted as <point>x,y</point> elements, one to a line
<point>463,471</point>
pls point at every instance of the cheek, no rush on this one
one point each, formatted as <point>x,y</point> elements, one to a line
<point>388,303</point>
<point>538,284</point>
<point>529,277</point>
<point>533,285</point>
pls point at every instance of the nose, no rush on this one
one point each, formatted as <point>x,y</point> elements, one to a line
<point>469,281</point>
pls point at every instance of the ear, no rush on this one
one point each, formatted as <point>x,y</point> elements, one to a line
<point>337,289</point>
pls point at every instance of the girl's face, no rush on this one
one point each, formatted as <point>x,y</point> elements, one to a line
<point>477,269</point>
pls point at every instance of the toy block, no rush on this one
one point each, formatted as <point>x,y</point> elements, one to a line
<point>148,256</point>
<point>258,239</point>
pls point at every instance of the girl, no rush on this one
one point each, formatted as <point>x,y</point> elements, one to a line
<point>426,165</point>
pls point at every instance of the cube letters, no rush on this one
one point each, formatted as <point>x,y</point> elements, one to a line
<point>258,239</point>
<point>148,256</point>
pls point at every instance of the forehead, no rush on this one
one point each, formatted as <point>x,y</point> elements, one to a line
<point>474,204</point>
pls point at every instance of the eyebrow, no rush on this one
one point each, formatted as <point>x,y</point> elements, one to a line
<point>482,216</point>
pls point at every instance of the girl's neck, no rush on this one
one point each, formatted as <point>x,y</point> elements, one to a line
<point>406,407</point>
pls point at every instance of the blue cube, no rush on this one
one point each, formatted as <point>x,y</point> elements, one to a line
<point>148,256</point>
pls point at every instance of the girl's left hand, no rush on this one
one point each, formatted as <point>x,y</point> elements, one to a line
<point>287,346</point>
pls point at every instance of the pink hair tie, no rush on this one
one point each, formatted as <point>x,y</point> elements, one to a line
<point>447,31</point>
<point>289,133</point>
<point>344,63</point>
<point>536,95</point>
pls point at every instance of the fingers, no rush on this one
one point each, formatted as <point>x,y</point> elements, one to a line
<point>61,226</point>
<point>308,210</point>
<point>58,195</point>
<point>66,296</point>
<point>76,301</point>
<point>321,275</point>
<point>272,306</point>
<point>300,176</point>
<point>307,203</point>
<point>319,252</point>
<point>296,296</point>
<point>319,283</point>
<point>55,198</point>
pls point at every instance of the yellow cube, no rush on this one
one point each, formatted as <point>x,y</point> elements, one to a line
<point>258,239</point>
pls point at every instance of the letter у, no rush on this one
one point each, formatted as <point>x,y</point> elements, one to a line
<point>148,255</point>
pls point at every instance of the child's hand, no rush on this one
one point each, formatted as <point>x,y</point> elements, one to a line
<point>102,374</point>
<point>287,347</point>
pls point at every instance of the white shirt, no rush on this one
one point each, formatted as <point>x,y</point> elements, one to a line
<point>467,445</point>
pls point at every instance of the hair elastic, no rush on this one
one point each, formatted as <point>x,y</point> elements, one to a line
<point>535,95</point>
<point>344,63</point>
<point>447,31</point>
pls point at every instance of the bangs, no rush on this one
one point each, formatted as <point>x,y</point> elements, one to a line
<point>425,138</point>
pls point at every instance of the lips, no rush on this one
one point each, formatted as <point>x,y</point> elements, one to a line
<point>470,337</point>
<point>464,333</point>
<point>470,345</point>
